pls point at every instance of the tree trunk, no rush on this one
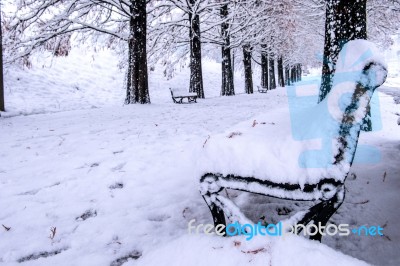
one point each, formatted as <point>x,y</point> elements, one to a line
<point>248,75</point>
<point>281,77</point>
<point>299,72</point>
<point>272,82</point>
<point>264,67</point>
<point>293,74</point>
<point>345,21</point>
<point>196,73</point>
<point>227,73</point>
<point>137,76</point>
<point>2,107</point>
<point>287,75</point>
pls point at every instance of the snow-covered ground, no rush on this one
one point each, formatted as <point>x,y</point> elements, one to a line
<point>118,182</point>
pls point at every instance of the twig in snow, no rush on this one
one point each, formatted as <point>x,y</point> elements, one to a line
<point>6,228</point>
<point>231,135</point>
<point>387,237</point>
<point>205,142</point>
<point>253,251</point>
<point>362,202</point>
<point>385,224</point>
<point>53,231</point>
<point>62,140</point>
<point>184,211</point>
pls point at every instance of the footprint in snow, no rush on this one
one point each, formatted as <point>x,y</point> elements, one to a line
<point>117,185</point>
<point>43,254</point>
<point>118,167</point>
<point>158,217</point>
<point>86,215</point>
<point>134,255</point>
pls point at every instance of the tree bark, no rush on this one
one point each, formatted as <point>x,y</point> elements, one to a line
<point>2,106</point>
<point>345,21</point>
<point>281,77</point>
<point>137,76</point>
<point>287,75</point>
<point>248,75</point>
<point>293,74</point>
<point>264,67</point>
<point>299,72</point>
<point>272,81</point>
<point>227,73</point>
<point>196,72</point>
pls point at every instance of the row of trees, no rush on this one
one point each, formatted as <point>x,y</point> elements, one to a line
<point>284,33</point>
<point>2,105</point>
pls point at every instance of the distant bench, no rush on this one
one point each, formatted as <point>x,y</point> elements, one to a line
<point>262,89</point>
<point>178,95</point>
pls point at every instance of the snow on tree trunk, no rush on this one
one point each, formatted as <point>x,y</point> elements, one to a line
<point>137,75</point>
<point>248,78</point>
<point>345,21</point>
<point>272,82</point>
<point>196,73</point>
<point>227,73</point>
<point>264,67</point>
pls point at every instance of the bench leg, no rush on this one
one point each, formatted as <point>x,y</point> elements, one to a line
<point>216,212</point>
<point>323,211</point>
<point>209,188</point>
<point>192,100</point>
<point>219,205</point>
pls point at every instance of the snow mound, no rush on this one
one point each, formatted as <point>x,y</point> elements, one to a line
<point>206,250</point>
<point>83,80</point>
<point>299,145</point>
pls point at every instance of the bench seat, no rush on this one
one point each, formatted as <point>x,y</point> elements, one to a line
<point>301,154</point>
<point>178,95</point>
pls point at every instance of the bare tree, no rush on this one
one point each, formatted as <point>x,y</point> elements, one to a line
<point>39,22</point>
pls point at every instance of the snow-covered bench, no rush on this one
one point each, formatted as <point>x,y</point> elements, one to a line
<point>178,95</point>
<point>262,89</point>
<point>264,156</point>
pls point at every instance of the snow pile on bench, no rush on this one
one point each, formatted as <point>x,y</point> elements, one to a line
<point>267,147</point>
<point>180,92</point>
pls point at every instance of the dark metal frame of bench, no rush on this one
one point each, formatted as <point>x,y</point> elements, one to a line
<point>179,99</point>
<point>331,192</point>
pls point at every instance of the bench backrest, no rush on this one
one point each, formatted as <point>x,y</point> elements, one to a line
<point>360,70</point>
